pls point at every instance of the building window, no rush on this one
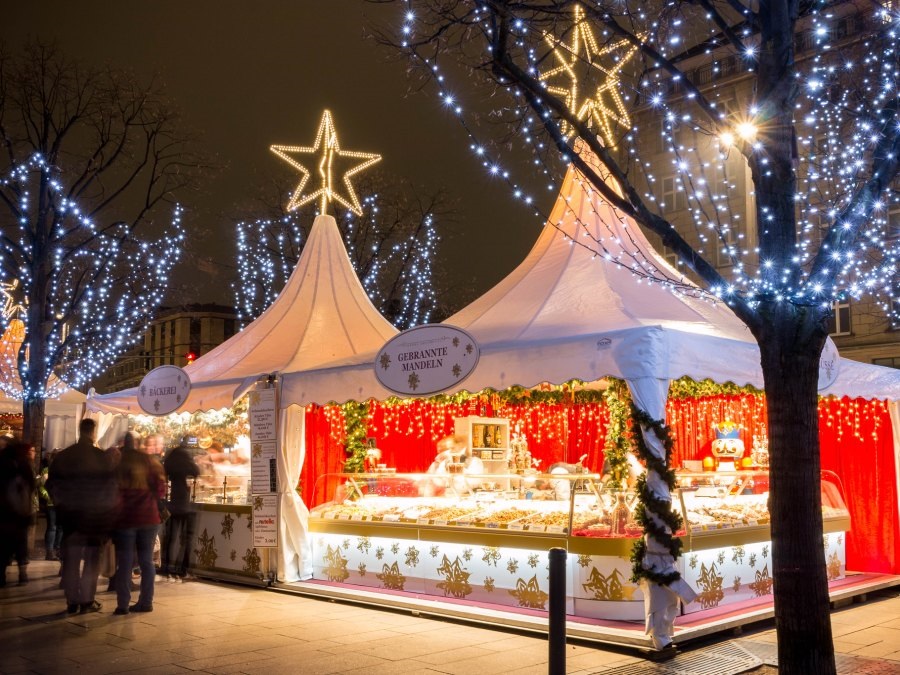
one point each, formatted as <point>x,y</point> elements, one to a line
<point>727,246</point>
<point>839,323</point>
<point>890,362</point>
<point>673,196</point>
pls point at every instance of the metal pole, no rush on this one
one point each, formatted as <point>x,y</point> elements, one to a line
<point>557,613</point>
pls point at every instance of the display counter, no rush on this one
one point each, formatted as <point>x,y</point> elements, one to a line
<point>223,534</point>
<point>485,538</point>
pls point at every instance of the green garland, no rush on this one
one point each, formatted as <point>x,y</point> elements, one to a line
<point>617,446</point>
<point>648,503</point>
<point>356,418</point>
<point>685,387</point>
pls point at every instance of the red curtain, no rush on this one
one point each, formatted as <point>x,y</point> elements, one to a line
<point>856,444</point>
<point>324,453</point>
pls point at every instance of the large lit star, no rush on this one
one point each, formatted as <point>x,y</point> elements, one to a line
<point>327,149</point>
<point>605,106</point>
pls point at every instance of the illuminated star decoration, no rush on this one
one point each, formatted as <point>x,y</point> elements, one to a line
<point>327,148</point>
<point>605,106</point>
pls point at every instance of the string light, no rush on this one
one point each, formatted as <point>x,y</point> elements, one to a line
<point>328,148</point>
<point>103,285</point>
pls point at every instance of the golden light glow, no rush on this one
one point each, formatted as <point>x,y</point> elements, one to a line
<point>746,130</point>
<point>604,107</point>
<point>327,148</point>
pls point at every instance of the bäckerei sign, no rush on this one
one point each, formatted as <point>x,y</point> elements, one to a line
<point>426,360</point>
<point>163,390</point>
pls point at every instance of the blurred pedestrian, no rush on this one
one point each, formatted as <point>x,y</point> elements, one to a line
<point>142,484</point>
<point>53,533</point>
<point>17,505</point>
<point>82,485</point>
<point>176,547</point>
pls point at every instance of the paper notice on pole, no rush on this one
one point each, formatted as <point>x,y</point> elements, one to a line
<point>265,521</point>
<point>263,416</point>
<point>262,466</point>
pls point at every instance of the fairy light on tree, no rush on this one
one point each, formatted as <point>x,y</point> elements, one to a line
<point>93,159</point>
<point>817,135</point>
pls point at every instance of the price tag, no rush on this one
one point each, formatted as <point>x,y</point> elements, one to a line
<point>439,523</point>
<point>558,529</point>
<point>752,523</point>
<point>537,528</point>
<point>516,526</point>
<point>494,525</point>
<point>344,516</point>
<point>392,518</point>
<point>423,521</point>
<point>464,523</point>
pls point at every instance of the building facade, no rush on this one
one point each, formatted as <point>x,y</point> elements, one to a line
<point>176,337</point>
<point>860,328</point>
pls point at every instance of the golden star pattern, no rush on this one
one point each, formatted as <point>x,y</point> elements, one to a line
<point>604,107</point>
<point>326,149</point>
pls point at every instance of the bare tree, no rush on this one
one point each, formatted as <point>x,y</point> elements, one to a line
<point>391,246</point>
<point>820,136</point>
<point>91,158</point>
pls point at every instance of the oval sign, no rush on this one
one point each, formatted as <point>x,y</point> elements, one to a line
<point>829,364</point>
<point>163,390</point>
<point>426,360</point>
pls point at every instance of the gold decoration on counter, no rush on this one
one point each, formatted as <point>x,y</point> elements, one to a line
<point>489,584</point>
<point>456,578</point>
<point>721,558</point>
<point>467,554</point>
<point>834,566</point>
<point>737,555</point>
<point>249,522</point>
<point>710,584</point>
<point>233,555</point>
<point>227,526</point>
<point>346,544</point>
<point>412,556</point>
<point>251,561</point>
<point>362,569</point>
<point>584,560</point>
<point>693,561</point>
<point>752,561</point>
<point>529,594</point>
<point>379,552</point>
<point>433,551</point>
<point>736,586</point>
<point>825,542</point>
<point>840,539</point>
<point>491,555</point>
<point>363,544</point>
<point>533,559</point>
<point>608,587</point>
<point>395,548</point>
<point>206,550</point>
<point>512,566</point>
<point>391,578</point>
<point>763,584</point>
<point>765,551</point>
<point>335,565</point>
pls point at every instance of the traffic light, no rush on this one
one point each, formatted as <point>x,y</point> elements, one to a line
<point>190,357</point>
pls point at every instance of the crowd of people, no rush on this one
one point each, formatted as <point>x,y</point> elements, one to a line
<point>95,498</point>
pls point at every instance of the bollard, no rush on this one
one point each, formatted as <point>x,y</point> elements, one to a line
<point>557,613</point>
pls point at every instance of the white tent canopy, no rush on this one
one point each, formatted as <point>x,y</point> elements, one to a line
<point>322,317</point>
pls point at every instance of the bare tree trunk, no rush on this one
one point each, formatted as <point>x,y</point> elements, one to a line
<point>33,422</point>
<point>790,358</point>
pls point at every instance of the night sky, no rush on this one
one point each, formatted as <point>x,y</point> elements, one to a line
<point>247,75</point>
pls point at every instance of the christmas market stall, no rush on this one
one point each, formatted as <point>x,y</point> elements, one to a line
<point>425,519</point>
<point>62,411</point>
<point>248,481</point>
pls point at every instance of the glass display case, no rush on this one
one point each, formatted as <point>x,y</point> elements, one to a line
<point>716,503</point>
<point>533,503</point>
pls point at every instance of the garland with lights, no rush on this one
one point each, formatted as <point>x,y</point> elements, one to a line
<point>356,417</point>
<point>618,445</point>
<point>685,387</point>
<point>656,516</point>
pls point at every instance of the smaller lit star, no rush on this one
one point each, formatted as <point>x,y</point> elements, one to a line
<point>327,147</point>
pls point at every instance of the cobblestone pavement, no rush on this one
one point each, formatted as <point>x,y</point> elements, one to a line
<point>211,627</point>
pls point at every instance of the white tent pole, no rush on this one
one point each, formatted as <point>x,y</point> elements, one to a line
<point>660,602</point>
